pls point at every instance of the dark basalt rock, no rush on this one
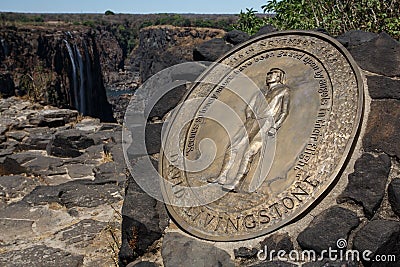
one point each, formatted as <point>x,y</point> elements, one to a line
<point>394,195</point>
<point>211,50</point>
<point>327,228</point>
<point>277,242</point>
<point>179,250</point>
<point>36,140</point>
<point>3,130</point>
<point>383,128</point>
<point>9,166</point>
<point>381,238</point>
<point>16,135</point>
<point>81,233</point>
<point>82,195</point>
<point>144,220</point>
<point>355,37</point>
<point>245,253</point>
<point>265,30</point>
<point>110,172</point>
<point>25,156</point>
<point>7,87</point>
<point>168,101</point>
<point>138,237</point>
<point>379,55</point>
<point>44,203</point>
<point>165,46</point>
<point>74,194</point>
<point>151,137</point>
<point>236,37</point>
<point>16,186</point>
<point>43,255</point>
<point>380,87</point>
<point>68,143</point>
<point>43,165</point>
<point>367,183</point>
<point>143,264</point>
<point>331,263</point>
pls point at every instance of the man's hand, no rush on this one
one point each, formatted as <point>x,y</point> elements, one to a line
<point>272,131</point>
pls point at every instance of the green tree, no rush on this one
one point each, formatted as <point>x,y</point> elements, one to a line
<point>109,12</point>
<point>249,21</point>
<point>336,16</point>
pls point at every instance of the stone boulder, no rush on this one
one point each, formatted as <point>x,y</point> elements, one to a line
<point>327,228</point>
<point>394,195</point>
<point>380,237</point>
<point>367,183</point>
<point>383,128</point>
<point>236,37</point>
<point>67,144</point>
<point>381,87</point>
<point>211,50</point>
<point>379,55</point>
<point>355,37</point>
<point>265,30</point>
<point>179,250</point>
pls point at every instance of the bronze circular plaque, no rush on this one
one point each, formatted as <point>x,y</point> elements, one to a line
<point>261,135</point>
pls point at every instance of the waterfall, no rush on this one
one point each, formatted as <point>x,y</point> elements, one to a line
<point>89,88</point>
<point>74,74</point>
<point>4,46</point>
<point>82,78</point>
<point>86,80</point>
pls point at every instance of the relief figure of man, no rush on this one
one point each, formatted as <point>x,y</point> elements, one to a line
<point>265,114</point>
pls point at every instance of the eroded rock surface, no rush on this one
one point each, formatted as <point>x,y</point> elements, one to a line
<point>61,187</point>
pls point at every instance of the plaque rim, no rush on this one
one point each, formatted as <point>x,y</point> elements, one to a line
<point>335,175</point>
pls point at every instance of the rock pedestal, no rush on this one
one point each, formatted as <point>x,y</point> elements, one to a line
<point>360,213</point>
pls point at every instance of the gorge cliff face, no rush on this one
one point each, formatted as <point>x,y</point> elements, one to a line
<point>61,67</point>
<point>164,46</point>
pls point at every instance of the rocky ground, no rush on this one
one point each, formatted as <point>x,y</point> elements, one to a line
<point>66,198</point>
<point>62,179</point>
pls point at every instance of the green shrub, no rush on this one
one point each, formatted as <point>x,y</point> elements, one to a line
<point>249,22</point>
<point>336,16</point>
<point>89,23</point>
<point>38,18</point>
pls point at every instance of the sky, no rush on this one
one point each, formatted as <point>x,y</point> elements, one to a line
<point>131,6</point>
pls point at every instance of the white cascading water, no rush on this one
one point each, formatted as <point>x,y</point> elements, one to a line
<point>82,78</point>
<point>89,85</point>
<point>74,74</point>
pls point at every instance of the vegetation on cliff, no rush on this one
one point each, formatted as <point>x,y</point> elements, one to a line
<point>334,16</point>
<point>125,27</point>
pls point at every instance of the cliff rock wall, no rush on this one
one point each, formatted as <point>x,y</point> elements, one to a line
<point>164,46</point>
